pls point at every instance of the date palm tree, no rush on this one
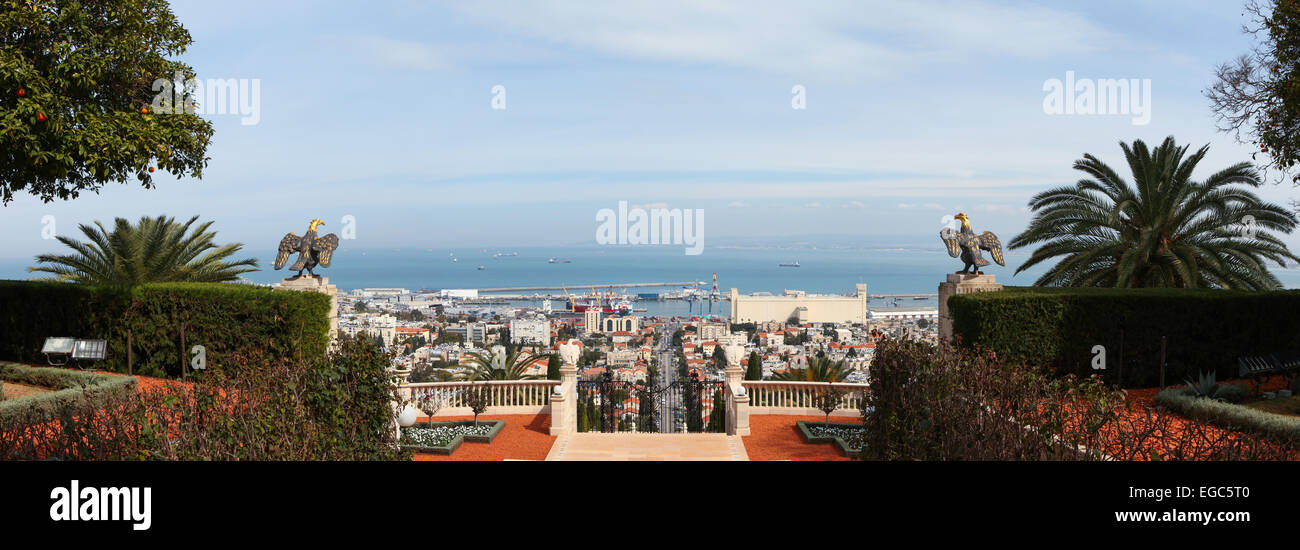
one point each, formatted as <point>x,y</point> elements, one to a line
<point>502,365</point>
<point>819,369</point>
<point>152,250</point>
<point>1162,230</point>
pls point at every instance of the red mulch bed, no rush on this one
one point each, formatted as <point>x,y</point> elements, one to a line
<point>775,437</point>
<point>525,437</point>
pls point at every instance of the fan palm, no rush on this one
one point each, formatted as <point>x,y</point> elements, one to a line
<point>153,250</point>
<point>502,366</point>
<point>1162,230</point>
<point>819,369</point>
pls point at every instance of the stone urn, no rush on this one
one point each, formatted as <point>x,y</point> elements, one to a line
<point>408,416</point>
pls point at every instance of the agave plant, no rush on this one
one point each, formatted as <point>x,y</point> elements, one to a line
<point>150,251</point>
<point>1204,386</point>
<point>502,366</point>
<point>1162,230</point>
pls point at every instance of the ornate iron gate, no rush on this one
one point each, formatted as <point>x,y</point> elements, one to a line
<point>609,405</point>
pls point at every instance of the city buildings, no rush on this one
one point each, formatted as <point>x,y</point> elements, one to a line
<point>800,307</point>
<point>535,332</point>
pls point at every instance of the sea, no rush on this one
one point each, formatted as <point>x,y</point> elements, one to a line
<point>582,269</point>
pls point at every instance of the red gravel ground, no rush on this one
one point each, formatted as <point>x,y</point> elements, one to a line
<point>525,437</point>
<point>775,437</point>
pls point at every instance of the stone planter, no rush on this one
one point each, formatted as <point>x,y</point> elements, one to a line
<point>808,437</point>
<point>494,429</point>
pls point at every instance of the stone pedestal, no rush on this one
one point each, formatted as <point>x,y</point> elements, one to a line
<point>322,285</point>
<point>737,401</point>
<point>958,283</point>
<point>564,405</point>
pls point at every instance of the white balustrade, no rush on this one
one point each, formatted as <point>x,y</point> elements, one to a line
<point>505,396</point>
<point>779,397</point>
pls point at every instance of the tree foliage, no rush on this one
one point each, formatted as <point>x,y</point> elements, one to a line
<point>754,370</point>
<point>819,369</point>
<point>77,79</point>
<point>1256,97</point>
<point>1162,230</point>
<point>510,365</point>
<point>154,250</point>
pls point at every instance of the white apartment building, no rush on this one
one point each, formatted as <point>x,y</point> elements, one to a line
<point>530,331</point>
<point>800,306</point>
<point>615,323</point>
<point>471,332</point>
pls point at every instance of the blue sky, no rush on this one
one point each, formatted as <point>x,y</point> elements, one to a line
<point>915,110</point>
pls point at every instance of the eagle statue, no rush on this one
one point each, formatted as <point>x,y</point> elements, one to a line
<point>967,244</point>
<point>312,250</point>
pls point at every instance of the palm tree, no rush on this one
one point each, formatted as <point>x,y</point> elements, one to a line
<point>502,366</point>
<point>153,250</point>
<point>1163,230</point>
<point>820,369</point>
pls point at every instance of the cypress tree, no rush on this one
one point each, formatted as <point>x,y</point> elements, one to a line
<point>553,368</point>
<point>755,369</point>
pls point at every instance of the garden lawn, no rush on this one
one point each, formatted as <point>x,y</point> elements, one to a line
<point>775,437</point>
<point>14,390</point>
<point>1287,406</point>
<point>525,437</point>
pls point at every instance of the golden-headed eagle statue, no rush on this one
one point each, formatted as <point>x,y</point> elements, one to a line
<point>967,245</point>
<point>312,250</point>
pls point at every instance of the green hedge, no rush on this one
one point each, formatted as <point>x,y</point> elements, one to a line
<point>237,324</point>
<point>74,389</point>
<point>1058,327</point>
<point>1229,416</point>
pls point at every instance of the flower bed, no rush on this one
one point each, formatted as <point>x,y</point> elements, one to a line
<point>848,437</point>
<point>446,437</point>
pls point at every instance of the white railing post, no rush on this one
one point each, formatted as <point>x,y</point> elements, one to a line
<point>737,398</point>
<point>564,400</point>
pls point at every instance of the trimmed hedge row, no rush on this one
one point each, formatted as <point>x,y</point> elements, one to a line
<point>1206,330</point>
<point>1229,416</point>
<point>237,324</point>
<point>75,390</point>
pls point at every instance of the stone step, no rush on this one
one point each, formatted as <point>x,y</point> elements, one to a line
<point>648,446</point>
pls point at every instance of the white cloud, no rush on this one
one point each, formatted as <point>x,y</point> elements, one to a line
<point>833,38</point>
<point>1004,208</point>
<point>738,204</point>
<point>402,54</point>
<point>813,205</point>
